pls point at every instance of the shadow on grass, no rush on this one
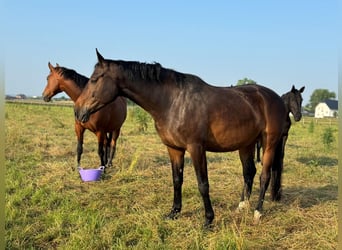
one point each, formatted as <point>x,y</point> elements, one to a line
<point>309,197</point>
<point>319,161</point>
<point>212,158</point>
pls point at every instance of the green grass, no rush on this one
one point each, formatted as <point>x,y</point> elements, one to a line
<point>49,207</point>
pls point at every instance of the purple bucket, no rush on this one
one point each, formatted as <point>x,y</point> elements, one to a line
<point>91,174</point>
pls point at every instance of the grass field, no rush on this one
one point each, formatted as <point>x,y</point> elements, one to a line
<point>49,207</point>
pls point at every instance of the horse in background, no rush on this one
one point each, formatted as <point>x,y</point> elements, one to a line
<point>191,115</point>
<point>293,103</point>
<point>105,124</point>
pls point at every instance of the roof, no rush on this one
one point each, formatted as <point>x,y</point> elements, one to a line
<point>332,104</point>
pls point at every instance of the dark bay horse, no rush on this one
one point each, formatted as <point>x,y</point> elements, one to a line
<point>293,103</point>
<point>192,116</point>
<point>107,120</point>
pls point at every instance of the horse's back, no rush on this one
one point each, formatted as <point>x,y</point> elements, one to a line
<point>273,107</point>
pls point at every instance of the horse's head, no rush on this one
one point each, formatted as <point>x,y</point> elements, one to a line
<point>295,102</point>
<point>101,89</point>
<point>52,87</point>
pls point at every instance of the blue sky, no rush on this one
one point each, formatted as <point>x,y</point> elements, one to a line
<point>276,43</point>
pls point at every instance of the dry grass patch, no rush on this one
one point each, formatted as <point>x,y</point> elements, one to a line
<point>48,206</point>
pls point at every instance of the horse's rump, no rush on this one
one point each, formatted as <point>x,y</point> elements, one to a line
<point>239,116</point>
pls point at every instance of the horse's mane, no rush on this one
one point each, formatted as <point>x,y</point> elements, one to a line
<point>285,96</point>
<point>148,71</point>
<point>80,80</point>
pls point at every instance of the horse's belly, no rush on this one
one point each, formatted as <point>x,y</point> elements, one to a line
<point>232,139</point>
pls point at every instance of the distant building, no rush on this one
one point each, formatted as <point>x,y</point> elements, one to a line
<point>20,96</point>
<point>328,108</point>
<point>10,97</point>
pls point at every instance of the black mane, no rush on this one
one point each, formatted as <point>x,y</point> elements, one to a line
<point>80,80</point>
<point>148,71</point>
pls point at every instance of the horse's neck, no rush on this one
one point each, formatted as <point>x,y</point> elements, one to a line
<point>286,100</point>
<point>152,98</point>
<point>71,89</point>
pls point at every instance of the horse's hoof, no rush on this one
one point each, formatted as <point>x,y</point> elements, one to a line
<point>277,196</point>
<point>208,224</point>
<point>242,206</point>
<point>173,215</point>
<point>257,216</point>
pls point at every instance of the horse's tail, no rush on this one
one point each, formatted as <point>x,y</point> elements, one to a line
<point>276,174</point>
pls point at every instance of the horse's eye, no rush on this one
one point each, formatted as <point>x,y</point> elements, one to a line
<point>94,79</point>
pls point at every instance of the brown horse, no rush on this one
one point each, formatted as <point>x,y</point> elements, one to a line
<point>192,116</point>
<point>107,120</point>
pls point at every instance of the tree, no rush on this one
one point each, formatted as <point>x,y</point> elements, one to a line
<point>245,81</point>
<point>319,95</point>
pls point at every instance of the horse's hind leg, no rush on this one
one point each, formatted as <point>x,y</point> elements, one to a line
<point>277,169</point>
<point>106,148</point>
<point>265,176</point>
<point>258,148</point>
<point>114,137</point>
<point>249,170</point>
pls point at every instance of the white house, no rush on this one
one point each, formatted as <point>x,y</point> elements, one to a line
<point>328,108</point>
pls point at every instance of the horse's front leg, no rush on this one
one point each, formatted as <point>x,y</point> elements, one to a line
<point>199,159</point>
<point>177,163</point>
<point>79,130</point>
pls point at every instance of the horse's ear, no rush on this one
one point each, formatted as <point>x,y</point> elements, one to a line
<point>99,57</point>
<point>302,89</point>
<point>57,65</point>
<point>51,67</point>
<point>293,88</point>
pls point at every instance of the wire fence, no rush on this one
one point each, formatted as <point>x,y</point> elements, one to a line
<point>327,121</point>
<point>41,102</point>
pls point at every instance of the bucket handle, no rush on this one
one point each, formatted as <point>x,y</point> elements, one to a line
<point>100,168</point>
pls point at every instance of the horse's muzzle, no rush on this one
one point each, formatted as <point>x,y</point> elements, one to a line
<point>82,114</point>
<point>46,98</point>
<point>297,117</point>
